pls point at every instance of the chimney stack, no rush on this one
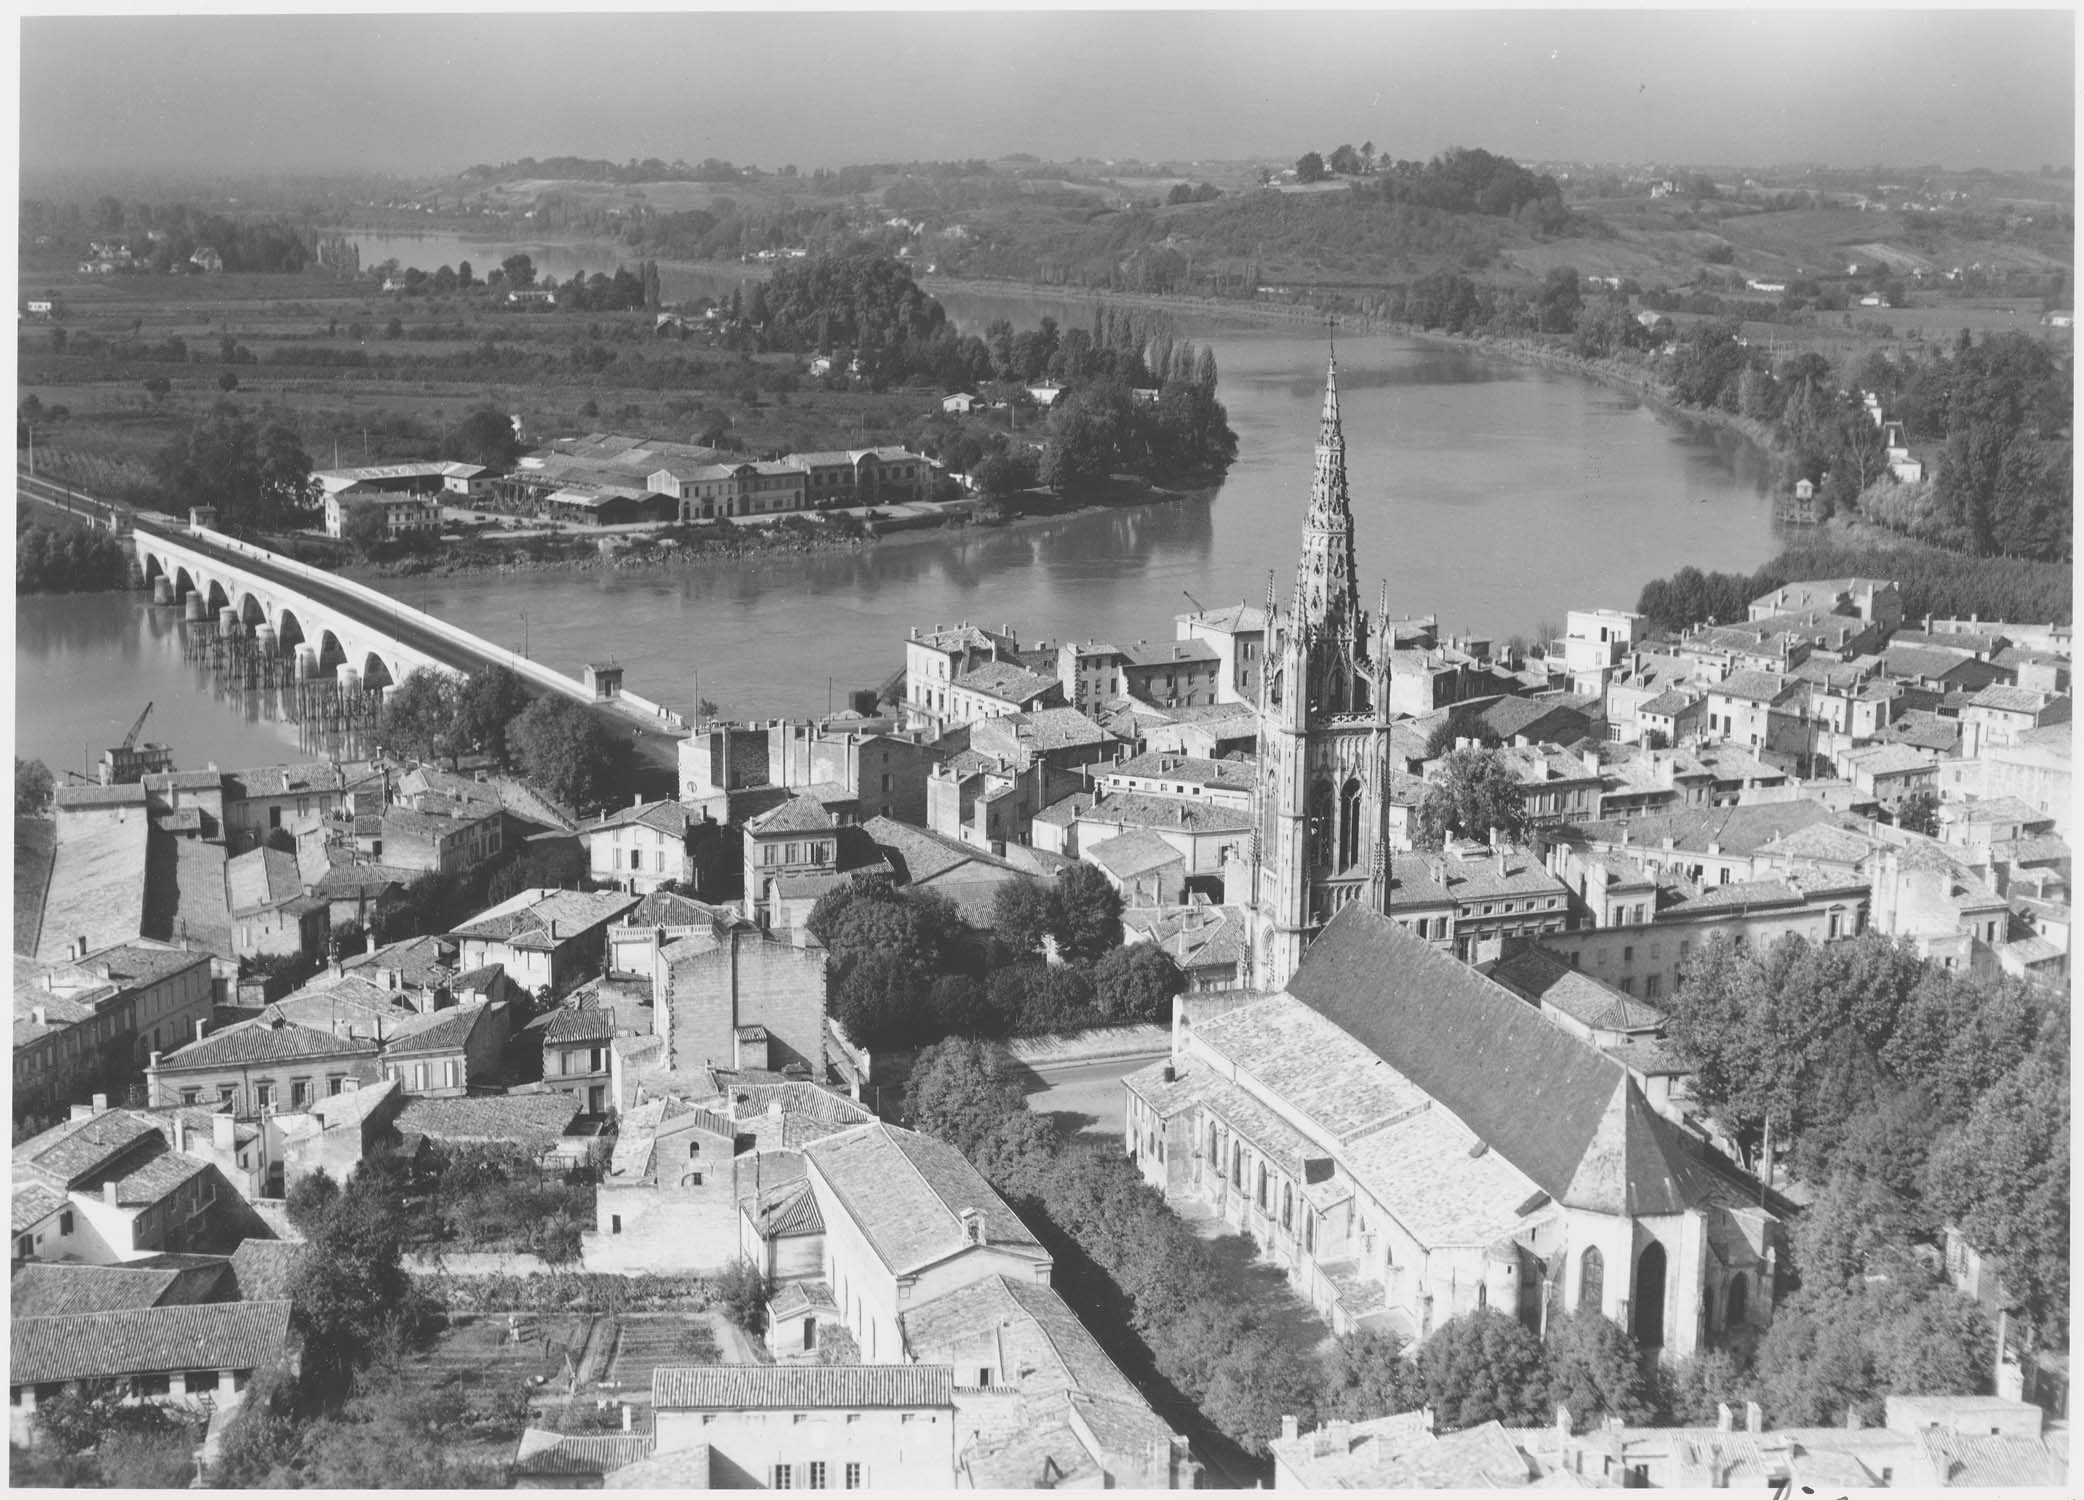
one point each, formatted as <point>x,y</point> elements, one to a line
<point>1564,1426</point>
<point>626,1427</point>
<point>180,1134</point>
<point>101,1104</point>
<point>224,1131</point>
<point>39,1015</point>
<point>1290,1428</point>
<point>1724,1420</point>
<point>1754,1417</point>
<point>202,1024</point>
<point>108,1193</point>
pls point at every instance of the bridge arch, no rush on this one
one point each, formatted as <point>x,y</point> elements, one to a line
<point>153,568</point>
<point>251,610</point>
<point>184,585</point>
<point>219,598</point>
<point>330,652</point>
<point>289,630</point>
<point>376,672</point>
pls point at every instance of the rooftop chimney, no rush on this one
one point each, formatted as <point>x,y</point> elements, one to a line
<point>39,1015</point>
<point>202,1024</point>
<point>180,1134</point>
<point>1564,1426</point>
<point>79,949</point>
<point>369,941</point>
<point>101,1104</point>
<point>154,1064</point>
<point>1290,1429</point>
<point>108,1193</point>
<point>1754,1418</point>
<point>224,1131</point>
<point>1724,1421</point>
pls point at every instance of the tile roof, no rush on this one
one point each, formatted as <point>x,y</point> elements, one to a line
<point>583,1453</point>
<point>1195,936</point>
<point>88,1346</point>
<point>1537,975</point>
<point>1044,728</point>
<point>669,818</point>
<point>1991,1460</point>
<point>1007,681</point>
<point>1228,617</point>
<point>791,1208</point>
<point>269,1037</point>
<point>1667,703</point>
<point>1554,1106</point>
<point>72,1151</point>
<point>907,1191</point>
<point>800,814</point>
<point>1148,810</point>
<point>32,1203</point>
<point>1743,829</point>
<point>264,1269</point>
<point>1189,770</point>
<point>98,884</point>
<point>920,855</point>
<point>532,1120</point>
<point>2016,700</point>
<point>1756,687</point>
<point>798,1387</point>
<point>1135,851</point>
<point>581,1023</point>
<point>1413,883</point>
<point>525,919</point>
<point>1315,1067</point>
<point>52,1289</point>
<point>1886,760</point>
<point>443,1031</point>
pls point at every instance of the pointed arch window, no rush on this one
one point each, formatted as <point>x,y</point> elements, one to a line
<point>1319,825</point>
<point>1349,823</point>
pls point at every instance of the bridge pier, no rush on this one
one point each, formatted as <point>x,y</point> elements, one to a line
<point>264,638</point>
<point>227,622</point>
<point>162,590</point>
<point>307,661</point>
<point>193,610</point>
<point>349,679</point>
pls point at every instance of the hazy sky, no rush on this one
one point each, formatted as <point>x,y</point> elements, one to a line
<point>418,94</point>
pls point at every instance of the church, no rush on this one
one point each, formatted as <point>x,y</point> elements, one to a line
<point>1409,1140</point>
<point>1320,838</point>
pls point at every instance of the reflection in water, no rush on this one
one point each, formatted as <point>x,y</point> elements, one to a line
<point>1492,494</point>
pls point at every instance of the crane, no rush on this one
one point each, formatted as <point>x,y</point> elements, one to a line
<point>130,739</point>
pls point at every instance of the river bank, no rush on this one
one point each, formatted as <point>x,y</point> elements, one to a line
<point>778,539</point>
<point>1525,351</point>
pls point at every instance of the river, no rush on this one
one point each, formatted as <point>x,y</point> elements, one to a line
<point>1493,494</point>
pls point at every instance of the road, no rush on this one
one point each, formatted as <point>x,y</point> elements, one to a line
<point>1089,1095</point>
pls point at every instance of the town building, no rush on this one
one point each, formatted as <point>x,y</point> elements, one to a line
<point>1468,898</point>
<point>255,1067</point>
<point>88,1025</point>
<point>866,1426</point>
<point>641,847</point>
<point>542,938</point>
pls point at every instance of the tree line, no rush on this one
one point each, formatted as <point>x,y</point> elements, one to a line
<point>1934,583</point>
<point>67,559</point>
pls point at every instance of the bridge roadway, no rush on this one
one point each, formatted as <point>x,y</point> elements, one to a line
<point>344,624</point>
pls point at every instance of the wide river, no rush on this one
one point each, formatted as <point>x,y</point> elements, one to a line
<point>1492,494</point>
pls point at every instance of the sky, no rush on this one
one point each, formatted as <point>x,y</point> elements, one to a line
<point>416,94</point>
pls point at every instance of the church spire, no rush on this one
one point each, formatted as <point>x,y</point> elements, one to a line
<point>1326,593</point>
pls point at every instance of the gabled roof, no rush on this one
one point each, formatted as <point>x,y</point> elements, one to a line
<point>589,1453</point>
<point>529,1120</point>
<point>1007,681</point>
<point>1538,975</point>
<point>53,1289</point>
<point>89,1346</point>
<point>264,1269</point>
<point>799,1387</point>
<point>920,855</point>
<point>72,1151</point>
<point>1554,1106</point>
<point>799,814</point>
<point>907,1193</point>
<point>269,1037</point>
<point>526,919</point>
<point>1134,851</point>
<point>669,818</point>
<point>1742,829</point>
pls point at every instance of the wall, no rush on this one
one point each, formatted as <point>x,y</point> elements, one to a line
<point>898,1450</point>
<point>748,979</point>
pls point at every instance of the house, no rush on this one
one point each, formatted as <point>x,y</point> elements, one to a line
<point>41,1289</point>
<point>880,1426</point>
<point>438,834</point>
<point>1144,868</point>
<point>1000,687</point>
<point>1874,599</point>
<point>961,404</point>
<point>256,1067</point>
<point>711,987</point>
<point>542,938</point>
<point>271,915</point>
<point>533,1124</point>
<point>1889,773</point>
<point>450,1051</point>
<point>907,1218</point>
<point>641,847</point>
<point>1997,716</point>
<point>1209,943</point>
<point>1237,632</point>
<point>935,658</point>
<point>114,1185</point>
<point>546,1460</point>
<point>1468,898</point>
<point>298,798</point>
<point>88,1025</point>
<point>1206,834</point>
<point>794,853</point>
<point>201,1357</point>
<point>575,1051</point>
<point>404,516</point>
<point>1308,1119</point>
<point>926,860</point>
<point>726,769</point>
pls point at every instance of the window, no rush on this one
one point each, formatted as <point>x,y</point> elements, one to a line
<point>334,1083</point>
<point>191,1096</point>
<point>198,1381</point>
<point>636,859</point>
<point>65,1222</point>
<point>694,1149</point>
<point>694,1179</point>
<point>784,1477</point>
<point>615,1223</point>
<point>419,1075</point>
<point>448,1074</point>
<point>1287,1204</point>
<point>264,1096</point>
<point>817,1475</point>
<point>854,1476</point>
<point>299,1092</point>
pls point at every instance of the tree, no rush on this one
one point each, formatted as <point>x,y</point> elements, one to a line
<point>365,525</point>
<point>999,475</point>
<point>564,749</point>
<point>1259,1380</point>
<point>742,1291</point>
<point>519,270</point>
<point>1368,1376</point>
<point>1344,160</point>
<point>348,1287</point>
<point>311,1198</point>
<point>876,999</point>
<point>1919,813</point>
<point>1482,1367</point>
<point>1595,1369</point>
<point>1696,1386</point>
<point>1309,167</point>
<point>1136,982</point>
<point>1021,915</point>
<point>491,698</point>
<point>959,1092</point>
<point>419,715</point>
<point>1087,913</point>
<point>32,788</point>
<point>2003,1178</point>
<point>228,381</point>
<point>1471,793</point>
<point>485,436</point>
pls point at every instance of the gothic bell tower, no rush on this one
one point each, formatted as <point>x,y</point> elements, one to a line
<point>1321,829</point>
